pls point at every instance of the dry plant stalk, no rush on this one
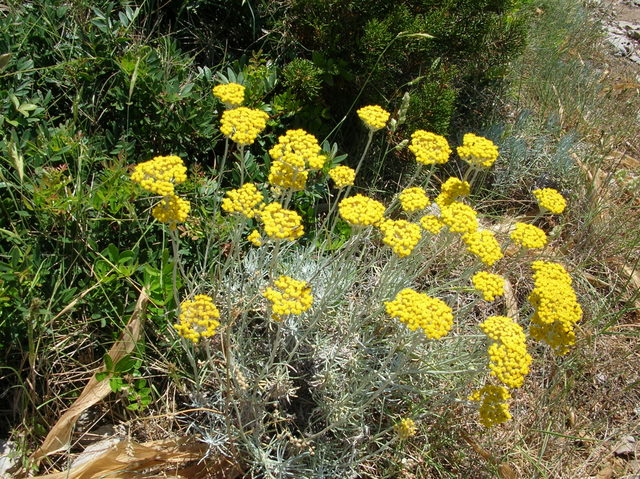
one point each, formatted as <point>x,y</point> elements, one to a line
<point>60,434</point>
<point>165,458</point>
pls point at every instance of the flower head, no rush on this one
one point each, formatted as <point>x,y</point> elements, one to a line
<point>405,428</point>
<point>373,116</point>
<point>198,318</point>
<point>528,236</point>
<point>433,224</point>
<point>494,408</point>
<point>280,223</point>
<point>171,209</point>
<point>254,238</point>
<point>231,94</point>
<point>509,359</point>
<point>299,149</point>
<point>417,310</point>
<point>478,151</point>
<point>550,200</point>
<point>429,148</point>
<point>414,199</point>
<point>556,307</point>
<point>285,175</point>
<point>484,245</point>
<point>361,210</point>
<point>460,218</point>
<point>243,125</point>
<point>160,174</point>
<point>401,235</point>
<point>243,200</point>
<point>342,176</point>
<point>291,296</point>
<point>489,284</point>
<point>452,189</point>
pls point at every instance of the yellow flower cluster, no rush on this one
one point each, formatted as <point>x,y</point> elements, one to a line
<point>373,116</point>
<point>452,189</point>
<point>484,245</point>
<point>478,151</point>
<point>342,176</point>
<point>460,218</point>
<point>243,124</point>
<point>489,284</point>
<point>414,199</point>
<point>405,428</point>
<point>160,174</point>
<point>198,318</point>
<point>243,200</point>
<point>508,354</point>
<point>417,310</point>
<point>171,209</point>
<point>280,223</point>
<point>284,175</point>
<point>291,297</point>
<point>431,223</point>
<point>254,238</point>
<point>401,235</point>
<point>528,236</point>
<point>550,200</point>
<point>295,152</point>
<point>494,408</point>
<point>231,94</point>
<point>429,148</point>
<point>360,210</point>
<point>556,306</point>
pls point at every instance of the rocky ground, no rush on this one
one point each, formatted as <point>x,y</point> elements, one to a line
<point>622,27</point>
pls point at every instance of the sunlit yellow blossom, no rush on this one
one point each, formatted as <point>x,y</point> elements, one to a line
<point>160,174</point>
<point>431,223</point>
<point>361,210</point>
<point>494,408</point>
<point>373,116</point>
<point>460,218</point>
<point>489,284</point>
<point>429,148</point>
<point>417,310</point>
<point>405,428</point>
<point>280,223</point>
<point>243,125</point>
<point>484,245</point>
<point>529,236</point>
<point>342,176</point>
<point>291,296</point>
<point>231,94</point>
<point>198,318</point>
<point>455,187</point>
<point>550,200</point>
<point>402,236</point>
<point>478,151</point>
<point>414,199</point>
<point>299,149</point>
<point>285,175</point>
<point>556,307</point>
<point>509,359</point>
<point>243,200</point>
<point>171,209</point>
<point>254,238</point>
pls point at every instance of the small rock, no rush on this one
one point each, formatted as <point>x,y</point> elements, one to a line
<point>627,447</point>
<point>8,457</point>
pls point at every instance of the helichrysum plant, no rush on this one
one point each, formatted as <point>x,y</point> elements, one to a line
<point>340,322</point>
<point>231,94</point>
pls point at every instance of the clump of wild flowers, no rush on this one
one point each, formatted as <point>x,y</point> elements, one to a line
<point>360,210</point>
<point>342,176</point>
<point>418,310</point>
<point>509,359</point>
<point>414,199</point>
<point>243,125</point>
<point>494,408</point>
<point>479,152</point>
<point>243,200</point>
<point>489,284</point>
<point>290,296</point>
